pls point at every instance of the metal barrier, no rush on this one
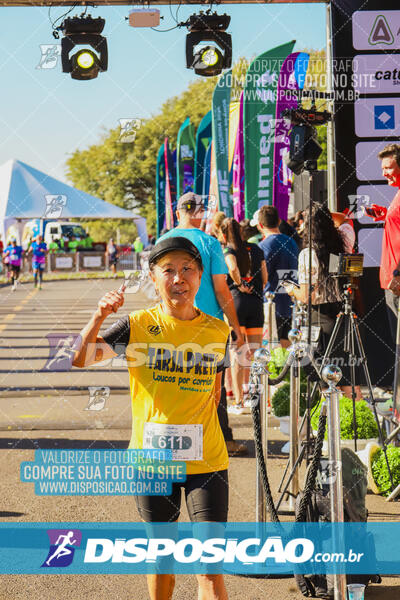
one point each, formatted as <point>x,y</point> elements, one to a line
<point>332,375</point>
<point>84,261</point>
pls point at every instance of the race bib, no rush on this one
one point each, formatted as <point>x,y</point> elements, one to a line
<point>185,441</point>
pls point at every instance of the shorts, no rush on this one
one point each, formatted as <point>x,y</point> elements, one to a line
<point>249,309</point>
<point>15,269</point>
<point>206,500</point>
<point>283,326</point>
<point>37,265</point>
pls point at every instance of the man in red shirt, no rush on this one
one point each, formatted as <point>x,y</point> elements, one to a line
<point>390,260</point>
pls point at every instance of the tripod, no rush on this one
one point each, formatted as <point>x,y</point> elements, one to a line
<point>352,339</point>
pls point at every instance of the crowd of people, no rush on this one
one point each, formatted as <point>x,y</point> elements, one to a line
<point>211,289</point>
<point>12,256</point>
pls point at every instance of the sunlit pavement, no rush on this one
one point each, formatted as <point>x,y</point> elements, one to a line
<point>45,409</point>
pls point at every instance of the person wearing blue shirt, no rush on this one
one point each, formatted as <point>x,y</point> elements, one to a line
<point>14,253</point>
<point>39,250</point>
<point>281,257</point>
<point>214,297</point>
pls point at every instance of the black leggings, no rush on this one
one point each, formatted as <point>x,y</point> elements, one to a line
<point>206,500</point>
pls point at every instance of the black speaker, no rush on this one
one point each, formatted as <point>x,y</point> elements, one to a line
<point>301,189</point>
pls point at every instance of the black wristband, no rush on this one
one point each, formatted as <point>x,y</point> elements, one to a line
<point>396,273</point>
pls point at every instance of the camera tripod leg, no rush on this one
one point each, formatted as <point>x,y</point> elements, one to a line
<point>363,359</point>
<point>295,466</point>
<point>351,324</point>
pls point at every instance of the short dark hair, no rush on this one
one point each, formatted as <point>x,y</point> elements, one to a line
<point>391,150</point>
<point>268,217</point>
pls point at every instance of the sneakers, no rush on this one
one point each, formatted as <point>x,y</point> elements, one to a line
<point>236,448</point>
<point>248,403</point>
<point>235,409</point>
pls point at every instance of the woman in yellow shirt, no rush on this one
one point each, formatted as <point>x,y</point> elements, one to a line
<point>175,354</point>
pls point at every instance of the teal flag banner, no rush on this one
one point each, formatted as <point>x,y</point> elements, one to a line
<point>220,134</point>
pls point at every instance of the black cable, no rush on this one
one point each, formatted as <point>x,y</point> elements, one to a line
<point>62,16</point>
<point>312,470</point>
<point>164,30</point>
<point>177,10</point>
<point>283,373</point>
<point>172,14</point>
<point>255,413</point>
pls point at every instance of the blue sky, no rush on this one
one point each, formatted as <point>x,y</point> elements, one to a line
<point>45,115</point>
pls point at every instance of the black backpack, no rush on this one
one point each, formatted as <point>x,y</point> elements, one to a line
<point>318,510</point>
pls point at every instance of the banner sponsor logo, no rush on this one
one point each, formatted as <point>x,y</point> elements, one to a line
<point>190,550</point>
<point>376,30</point>
<point>376,74</point>
<point>377,117</point>
<point>240,548</point>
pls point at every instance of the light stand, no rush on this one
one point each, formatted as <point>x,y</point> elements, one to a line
<point>352,337</point>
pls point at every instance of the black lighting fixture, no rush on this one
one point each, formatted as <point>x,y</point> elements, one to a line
<point>93,56</point>
<point>304,149</point>
<point>211,58</point>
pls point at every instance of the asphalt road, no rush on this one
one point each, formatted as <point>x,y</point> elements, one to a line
<point>44,408</point>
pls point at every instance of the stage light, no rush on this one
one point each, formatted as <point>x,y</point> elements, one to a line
<point>208,60</point>
<point>83,31</point>
<point>85,59</point>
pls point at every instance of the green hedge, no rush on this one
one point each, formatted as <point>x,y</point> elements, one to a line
<point>366,425</point>
<point>281,400</point>
<point>380,471</point>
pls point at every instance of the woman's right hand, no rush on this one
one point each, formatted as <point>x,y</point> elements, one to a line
<point>245,289</point>
<point>111,302</point>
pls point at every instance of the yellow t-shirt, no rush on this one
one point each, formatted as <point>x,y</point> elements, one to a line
<point>172,369</point>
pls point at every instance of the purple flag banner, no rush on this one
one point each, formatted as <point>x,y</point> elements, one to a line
<point>238,169</point>
<point>291,80</point>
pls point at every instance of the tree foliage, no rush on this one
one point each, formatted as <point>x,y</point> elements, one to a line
<point>124,173</point>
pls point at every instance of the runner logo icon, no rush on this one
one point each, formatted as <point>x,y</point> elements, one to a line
<point>62,547</point>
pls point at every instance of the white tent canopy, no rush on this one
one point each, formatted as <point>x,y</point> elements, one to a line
<point>25,192</point>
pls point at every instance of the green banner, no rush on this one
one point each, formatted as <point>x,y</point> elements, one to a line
<point>160,190</point>
<point>220,135</point>
<point>203,139</point>
<point>185,150</point>
<point>258,116</point>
